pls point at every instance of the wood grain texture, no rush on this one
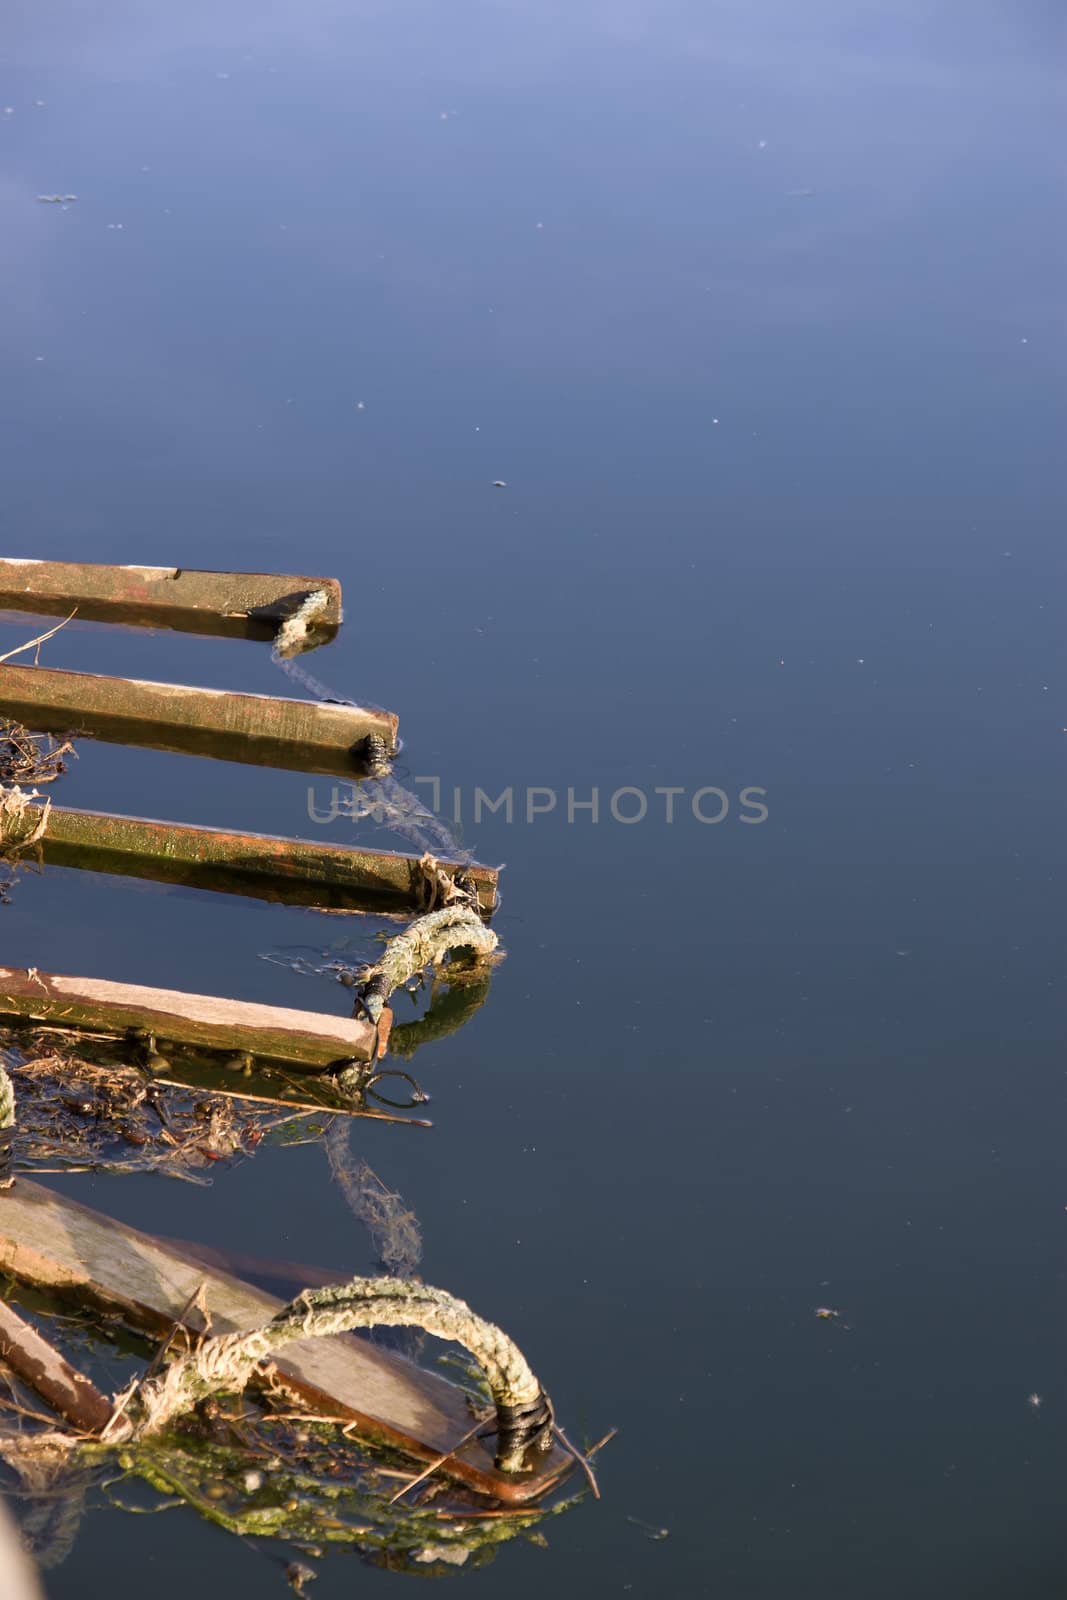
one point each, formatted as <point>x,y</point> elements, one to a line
<point>307,1040</point>
<point>49,1240</point>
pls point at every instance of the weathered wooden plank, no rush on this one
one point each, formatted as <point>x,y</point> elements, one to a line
<point>232,604</point>
<point>48,1240</point>
<point>303,735</point>
<point>40,1365</point>
<point>18,1580</point>
<point>306,1040</point>
<point>301,872</point>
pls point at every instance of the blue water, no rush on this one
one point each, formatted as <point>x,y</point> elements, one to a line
<point>757,311</point>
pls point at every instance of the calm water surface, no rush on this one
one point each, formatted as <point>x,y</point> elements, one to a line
<point>758,313</point>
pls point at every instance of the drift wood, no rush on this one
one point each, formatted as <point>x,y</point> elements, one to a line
<point>303,735</point>
<point>305,1040</point>
<point>294,871</point>
<point>246,605</point>
<point>48,1240</point>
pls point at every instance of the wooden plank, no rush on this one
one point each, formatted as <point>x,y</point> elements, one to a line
<point>18,1579</point>
<point>301,872</point>
<point>247,605</point>
<point>48,1240</point>
<point>41,1366</point>
<point>302,735</point>
<point>306,1040</point>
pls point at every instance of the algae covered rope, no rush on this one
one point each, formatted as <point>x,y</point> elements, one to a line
<point>426,942</point>
<point>225,1363</point>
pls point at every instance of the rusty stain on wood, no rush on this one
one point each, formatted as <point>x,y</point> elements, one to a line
<point>50,1241</point>
<point>306,1040</point>
<point>295,871</point>
<point>302,735</point>
<point>231,604</point>
<point>40,1365</point>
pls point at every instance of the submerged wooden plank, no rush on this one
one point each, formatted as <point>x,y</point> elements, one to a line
<point>232,604</point>
<point>303,735</point>
<point>295,871</point>
<point>39,1364</point>
<point>307,1040</point>
<point>48,1240</point>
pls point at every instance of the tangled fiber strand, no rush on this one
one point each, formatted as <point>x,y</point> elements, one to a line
<point>226,1362</point>
<point>22,823</point>
<point>393,1228</point>
<point>391,805</point>
<point>30,757</point>
<point>293,635</point>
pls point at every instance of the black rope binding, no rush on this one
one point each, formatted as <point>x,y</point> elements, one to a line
<point>520,1429</point>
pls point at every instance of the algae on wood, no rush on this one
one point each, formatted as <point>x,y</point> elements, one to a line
<point>232,604</point>
<point>326,876</point>
<point>263,730</point>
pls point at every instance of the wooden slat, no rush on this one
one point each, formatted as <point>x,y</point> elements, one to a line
<point>232,604</point>
<point>294,871</point>
<point>48,1240</point>
<point>306,1040</point>
<point>18,1579</point>
<point>303,735</point>
<point>66,1389</point>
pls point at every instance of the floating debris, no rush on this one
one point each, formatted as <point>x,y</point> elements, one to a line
<point>31,757</point>
<point>80,1115</point>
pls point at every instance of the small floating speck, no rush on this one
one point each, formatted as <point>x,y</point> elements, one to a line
<point>1034,1401</point>
<point>499,483</point>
